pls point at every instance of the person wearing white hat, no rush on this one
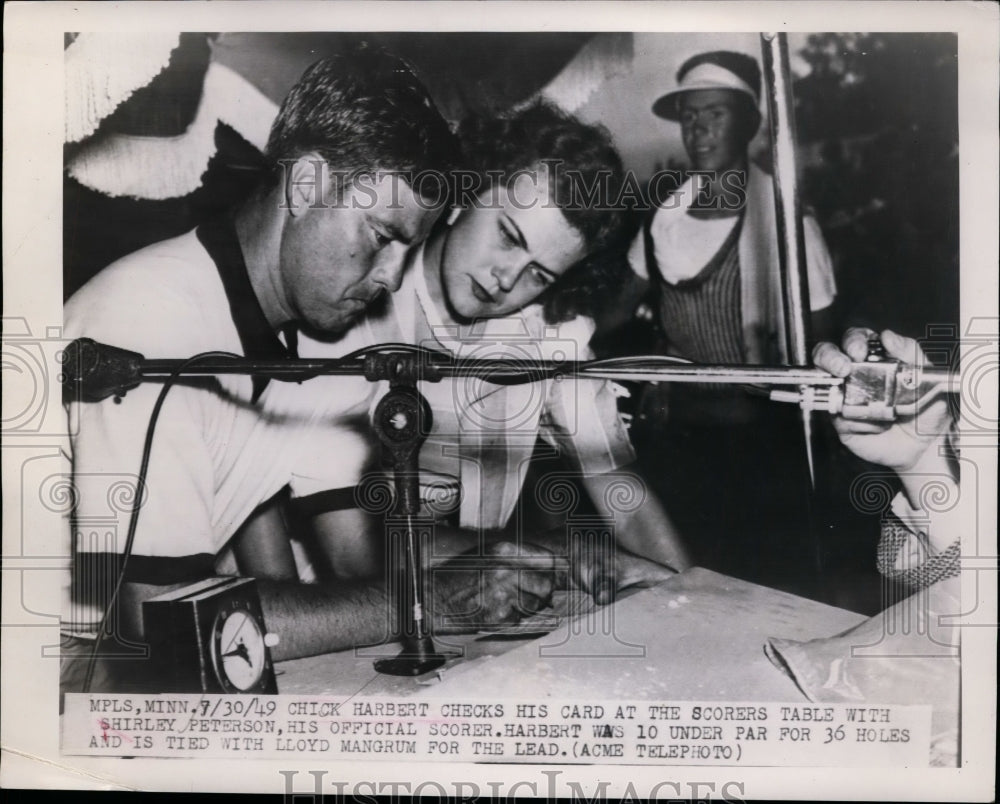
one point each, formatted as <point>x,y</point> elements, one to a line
<point>724,86</point>
<point>728,198</point>
<point>709,253</point>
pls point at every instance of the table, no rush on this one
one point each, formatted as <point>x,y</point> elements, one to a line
<point>698,636</point>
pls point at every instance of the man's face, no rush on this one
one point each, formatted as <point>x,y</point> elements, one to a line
<point>501,255</point>
<point>714,128</point>
<point>335,260</point>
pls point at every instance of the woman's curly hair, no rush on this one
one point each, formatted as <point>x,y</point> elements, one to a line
<point>587,178</point>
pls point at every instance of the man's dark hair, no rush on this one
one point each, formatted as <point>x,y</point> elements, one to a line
<point>587,175</point>
<point>362,110</point>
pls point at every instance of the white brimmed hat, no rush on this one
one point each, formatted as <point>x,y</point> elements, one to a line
<point>719,69</point>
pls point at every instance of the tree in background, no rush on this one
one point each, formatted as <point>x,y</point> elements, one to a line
<point>877,119</point>
<point>877,122</point>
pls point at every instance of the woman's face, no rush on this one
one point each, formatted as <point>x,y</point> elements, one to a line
<point>501,254</point>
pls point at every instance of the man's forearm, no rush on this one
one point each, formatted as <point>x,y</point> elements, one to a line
<point>308,618</point>
<point>319,618</point>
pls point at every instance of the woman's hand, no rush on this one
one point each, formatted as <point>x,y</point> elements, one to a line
<point>906,445</point>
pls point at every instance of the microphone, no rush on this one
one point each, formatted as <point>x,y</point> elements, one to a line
<point>94,371</point>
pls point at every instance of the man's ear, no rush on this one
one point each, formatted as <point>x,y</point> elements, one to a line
<point>305,183</point>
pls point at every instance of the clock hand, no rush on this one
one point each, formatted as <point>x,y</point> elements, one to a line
<point>241,651</point>
<point>238,632</point>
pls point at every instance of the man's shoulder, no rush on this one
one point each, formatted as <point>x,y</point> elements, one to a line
<point>164,287</point>
<point>183,255</point>
<point>168,262</point>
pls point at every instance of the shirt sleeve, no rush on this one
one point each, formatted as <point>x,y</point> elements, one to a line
<point>337,456</point>
<point>581,416</point>
<point>822,284</point>
<point>175,503</point>
<point>340,447</point>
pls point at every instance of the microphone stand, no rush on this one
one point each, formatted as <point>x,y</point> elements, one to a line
<point>402,420</point>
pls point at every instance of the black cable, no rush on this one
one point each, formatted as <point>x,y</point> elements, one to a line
<point>517,374</point>
<point>497,376</point>
<point>134,514</point>
<point>630,360</point>
<point>385,347</point>
<point>518,377</point>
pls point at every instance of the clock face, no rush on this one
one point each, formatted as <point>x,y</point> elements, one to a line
<point>238,651</point>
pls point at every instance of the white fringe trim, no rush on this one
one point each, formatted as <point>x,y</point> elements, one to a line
<point>158,168</point>
<point>104,69</point>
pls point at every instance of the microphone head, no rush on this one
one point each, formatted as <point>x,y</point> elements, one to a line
<point>94,371</point>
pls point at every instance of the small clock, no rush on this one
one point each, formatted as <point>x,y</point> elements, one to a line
<point>239,655</point>
<point>210,636</point>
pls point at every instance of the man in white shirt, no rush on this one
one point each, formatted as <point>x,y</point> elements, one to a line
<point>321,238</point>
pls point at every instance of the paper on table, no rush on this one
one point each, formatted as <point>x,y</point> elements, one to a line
<point>905,655</point>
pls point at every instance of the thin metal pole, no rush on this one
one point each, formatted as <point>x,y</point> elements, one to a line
<point>791,241</point>
<point>89,372</point>
<point>788,209</point>
<point>506,369</point>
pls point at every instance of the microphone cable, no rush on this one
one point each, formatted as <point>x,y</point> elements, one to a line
<point>134,513</point>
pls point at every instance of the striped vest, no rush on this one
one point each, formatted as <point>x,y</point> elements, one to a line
<point>701,316</point>
<point>702,320</point>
